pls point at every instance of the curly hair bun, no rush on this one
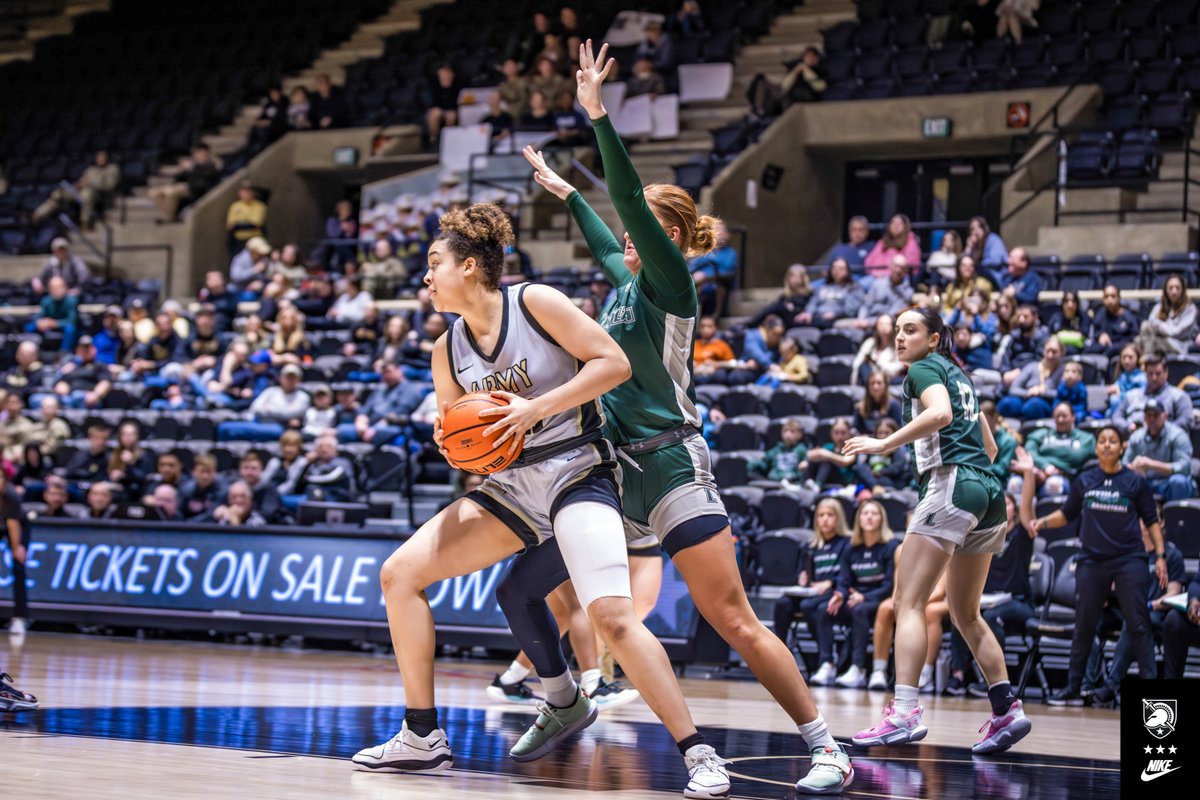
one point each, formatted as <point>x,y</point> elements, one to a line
<point>704,239</point>
<point>482,223</point>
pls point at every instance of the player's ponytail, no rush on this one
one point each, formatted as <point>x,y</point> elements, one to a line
<point>935,325</point>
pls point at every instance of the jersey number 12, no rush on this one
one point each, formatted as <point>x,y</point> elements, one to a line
<point>966,397</point>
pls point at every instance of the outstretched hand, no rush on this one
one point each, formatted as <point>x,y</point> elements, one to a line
<point>593,71</point>
<point>547,178</point>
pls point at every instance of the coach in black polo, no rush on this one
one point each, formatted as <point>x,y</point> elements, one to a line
<point>1110,501</point>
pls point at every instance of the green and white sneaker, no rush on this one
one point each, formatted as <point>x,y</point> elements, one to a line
<point>830,773</point>
<point>554,726</point>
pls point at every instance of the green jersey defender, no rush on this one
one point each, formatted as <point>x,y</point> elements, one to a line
<point>652,417</point>
<point>962,502</point>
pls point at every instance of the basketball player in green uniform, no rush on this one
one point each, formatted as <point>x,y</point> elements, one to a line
<point>667,487</point>
<point>956,528</point>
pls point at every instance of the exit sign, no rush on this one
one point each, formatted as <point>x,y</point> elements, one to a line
<point>936,127</point>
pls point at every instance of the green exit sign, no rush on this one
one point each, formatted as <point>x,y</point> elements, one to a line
<point>936,127</point>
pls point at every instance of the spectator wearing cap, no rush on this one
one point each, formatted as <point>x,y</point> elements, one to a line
<point>277,408</point>
<point>108,339</point>
<point>321,415</point>
<point>350,307</point>
<point>200,173</point>
<point>715,273</point>
<point>61,264</point>
<point>58,311</point>
<point>248,269</point>
<point>81,381</point>
<point>246,218</point>
<point>1173,400</point>
<point>1161,452</point>
<point>386,411</point>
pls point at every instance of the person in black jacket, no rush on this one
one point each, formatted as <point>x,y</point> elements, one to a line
<point>1181,630</point>
<point>266,498</point>
<point>1109,500</point>
<point>86,467</point>
<point>825,566</point>
<point>1113,326</point>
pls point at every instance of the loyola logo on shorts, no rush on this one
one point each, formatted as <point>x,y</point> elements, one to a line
<point>1159,717</point>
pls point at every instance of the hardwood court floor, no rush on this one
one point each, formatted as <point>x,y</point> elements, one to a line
<point>125,718</point>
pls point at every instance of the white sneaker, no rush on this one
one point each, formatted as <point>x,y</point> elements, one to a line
<point>928,686</point>
<point>853,678</point>
<point>824,676</point>
<point>707,778</point>
<point>878,680</point>
<point>610,695</point>
<point>830,773</point>
<point>16,627</point>
<point>407,752</point>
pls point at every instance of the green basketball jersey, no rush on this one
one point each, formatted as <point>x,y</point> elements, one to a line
<point>960,442</point>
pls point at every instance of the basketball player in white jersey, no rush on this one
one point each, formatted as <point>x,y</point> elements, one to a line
<point>552,363</point>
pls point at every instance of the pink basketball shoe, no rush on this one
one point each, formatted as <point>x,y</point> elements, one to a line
<point>894,728</point>
<point>1001,733</point>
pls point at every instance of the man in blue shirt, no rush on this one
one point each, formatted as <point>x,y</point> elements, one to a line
<point>1161,452</point>
<point>381,418</point>
<point>857,248</point>
<point>1018,281</point>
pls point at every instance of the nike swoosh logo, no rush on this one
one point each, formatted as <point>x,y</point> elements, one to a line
<point>464,369</point>
<point>1148,778</point>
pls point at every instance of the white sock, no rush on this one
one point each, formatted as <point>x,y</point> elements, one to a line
<point>906,698</point>
<point>589,680</point>
<point>515,673</point>
<point>816,734</point>
<point>926,675</point>
<point>879,665</point>
<point>561,691</point>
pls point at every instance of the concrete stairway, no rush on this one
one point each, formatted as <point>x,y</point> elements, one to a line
<point>43,27</point>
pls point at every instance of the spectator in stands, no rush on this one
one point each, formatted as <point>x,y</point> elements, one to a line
<point>321,415</point>
<point>1113,555</point>
<point>570,127</point>
<point>286,262</point>
<point>143,324</point>
<point>58,311</point>
<point>51,430</point>
<point>898,239</point>
<point>238,509</point>
<point>942,265</point>
<point>1019,281</point>
<point>526,47</point>
<point>165,498</point>
<point>554,51</point>
<point>1072,391</point>
<point>271,123</point>
<point>291,456</point>
<point>350,307</point>
<point>1127,376</point>
<point>341,238</point>
<point>1176,402</point>
<point>216,293</point>
<point>1006,438</point>
<point>100,501</point>
<point>386,411</point>
<point>1013,16</point>
<point>28,373</point>
<point>248,269</point>
<point>711,355</point>
<point>803,83</point>
<point>168,470</point>
<point>688,20</point>
<point>417,355</point>
<point>1060,452</point>
<point>277,408</point>
<point>715,273</point>
<point>129,349</point>
<point>1008,574</point>
<point>787,461</point>
<point>966,281</point>
<point>1069,324</point>
<point>290,342</point>
<point>866,584</point>
<point>645,80</point>
<point>877,404</point>
<point>90,465</point>
<point>299,110</point>
<point>15,428</point>
<point>1161,452</point>
<point>1112,326</point>
<point>61,264</point>
<point>198,175</point>
<point>537,118</point>
<point>833,468</point>
<point>326,476</point>
<point>877,353</point>
<point>390,345</point>
<point>327,108</point>
<point>1171,326</point>
<point>161,357</point>
<point>989,252</point>
<point>972,345</point>
<point>440,101</point>
<point>97,187</point>
<point>889,294</point>
<point>1031,394</point>
<point>1027,338</point>
<point>108,340</point>
<point>825,567</point>
<point>246,219</point>
<point>838,298</point>
<point>55,498</point>
<point>264,495</point>
<point>1181,630</point>
<point>514,89</point>
<point>200,494</point>
<point>760,349</point>
<point>857,247</point>
<point>792,366</point>
<point>792,301</point>
<point>658,47</point>
<point>81,382</point>
<point>1006,315</point>
<point>129,466</point>
<point>888,473</point>
<point>502,121</point>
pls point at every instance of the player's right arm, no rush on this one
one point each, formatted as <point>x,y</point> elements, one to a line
<point>447,389</point>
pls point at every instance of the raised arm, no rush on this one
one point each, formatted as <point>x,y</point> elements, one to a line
<point>666,275</point>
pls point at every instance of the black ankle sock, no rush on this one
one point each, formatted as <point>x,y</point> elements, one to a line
<point>690,742</point>
<point>421,721</point>
<point>1002,698</point>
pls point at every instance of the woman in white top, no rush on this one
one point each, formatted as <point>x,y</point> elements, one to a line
<point>1171,325</point>
<point>943,261</point>
<point>877,353</point>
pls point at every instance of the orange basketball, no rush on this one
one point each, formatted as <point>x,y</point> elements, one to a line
<point>463,439</point>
